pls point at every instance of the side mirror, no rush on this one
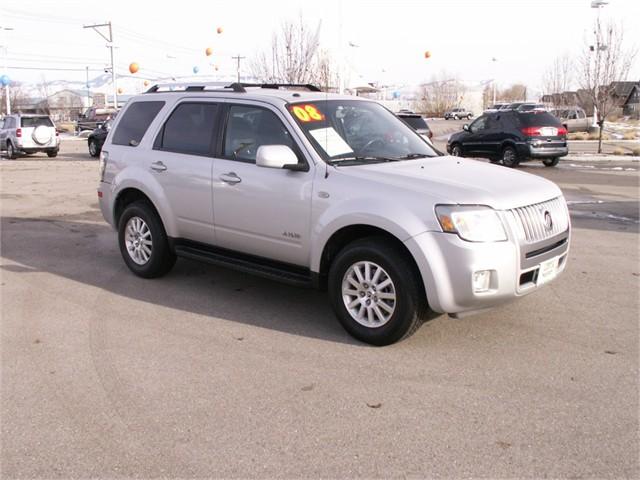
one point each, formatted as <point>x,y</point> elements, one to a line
<point>466,128</point>
<point>278,156</point>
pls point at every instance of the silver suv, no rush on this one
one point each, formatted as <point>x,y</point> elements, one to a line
<point>330,191</point>
<point>27,134</point>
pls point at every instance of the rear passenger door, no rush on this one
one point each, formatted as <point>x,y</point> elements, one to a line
<point>182,162</point>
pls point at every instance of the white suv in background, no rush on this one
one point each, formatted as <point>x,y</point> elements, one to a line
<point>27,134</point>
<point>330,191</point>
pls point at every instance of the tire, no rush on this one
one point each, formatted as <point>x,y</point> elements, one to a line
<point>551,162</point>
<point>52,153</point>
<point>94,149</point>
<point>139,222</point>
<point>469,117</point>
<point>456,150</point>
<point>446,118</point>
<point>11,151</point>
<point>455,117</point>
<point>510,157</point>
<point>403,314</point>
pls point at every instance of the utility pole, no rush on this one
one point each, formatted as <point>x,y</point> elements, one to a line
<point>494,60</point>
<point>238,58</point>
<point>6,53</point>
<point>88,91</point>
<point>111,47</point>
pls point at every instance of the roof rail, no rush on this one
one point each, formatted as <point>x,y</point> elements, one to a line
<point>224,86</point>
<point>275,86</point>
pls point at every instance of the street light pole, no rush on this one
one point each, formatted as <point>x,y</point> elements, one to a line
<point>494,60</point>
<point>598,5</point>
<point>111,47</point>
<point>6,53</point>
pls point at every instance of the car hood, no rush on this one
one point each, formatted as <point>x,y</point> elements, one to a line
<point>455,180</point>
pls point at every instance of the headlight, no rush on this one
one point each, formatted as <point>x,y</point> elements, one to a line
<point>472,223</point>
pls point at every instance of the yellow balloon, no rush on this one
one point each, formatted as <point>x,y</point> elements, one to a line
<point>120,90</point>
<point>146,83</point>
<point>209,51</point>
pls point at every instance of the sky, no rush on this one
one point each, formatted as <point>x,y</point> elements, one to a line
<point>169,38</point>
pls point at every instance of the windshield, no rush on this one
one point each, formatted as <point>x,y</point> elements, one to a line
<point>356,130</point>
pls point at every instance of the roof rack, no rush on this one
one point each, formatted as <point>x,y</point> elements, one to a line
<point>224,87</point>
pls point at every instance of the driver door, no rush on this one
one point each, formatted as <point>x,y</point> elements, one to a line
<point>257,210</point>
<point>474,142</point>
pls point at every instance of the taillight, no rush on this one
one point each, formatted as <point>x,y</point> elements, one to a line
<point>102,166</point>
<point>562,132</point>
<point>430,134</point>
<point>531,131</point>
<point>57,133</point>
<point>18,132</point>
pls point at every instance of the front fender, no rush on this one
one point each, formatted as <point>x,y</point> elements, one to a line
<point>394,219</point>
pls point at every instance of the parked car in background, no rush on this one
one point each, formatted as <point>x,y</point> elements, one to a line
<point>323,190</point>
<point>511,106</point>
<point>98,136</point>
<point>529,107</point>
<point>512,137</point>
<point>27,134</point>
<point>417,122</point>
<point>574,119</point>
<point>458,113</point>
<point>496,106</point>
<point>92,117</point>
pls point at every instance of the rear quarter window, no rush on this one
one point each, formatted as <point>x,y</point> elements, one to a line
<point>27,122</point>
<point>417,123</point>
<point>135,122</point>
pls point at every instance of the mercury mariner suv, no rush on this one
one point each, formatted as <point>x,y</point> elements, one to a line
<point>330,191</point>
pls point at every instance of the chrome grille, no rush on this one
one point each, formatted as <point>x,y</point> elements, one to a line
<point>531,220</point>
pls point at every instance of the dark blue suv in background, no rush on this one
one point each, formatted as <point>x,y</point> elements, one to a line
<point>512,137</point>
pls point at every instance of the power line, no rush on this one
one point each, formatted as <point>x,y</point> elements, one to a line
<point>109,39</point>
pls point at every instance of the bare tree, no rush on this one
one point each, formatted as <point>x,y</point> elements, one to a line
<point>602,63</point>
<point>295,56</point>
<point>441,93</point>
<point>558,78</point>
<point>513,93</point>
<point>43,90</point>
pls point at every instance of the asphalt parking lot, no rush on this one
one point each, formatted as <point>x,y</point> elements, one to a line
<point>211,373</point>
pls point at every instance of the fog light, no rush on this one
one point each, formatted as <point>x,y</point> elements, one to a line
<point>481,281</point>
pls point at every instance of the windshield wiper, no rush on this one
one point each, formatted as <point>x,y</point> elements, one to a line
<point>362,159</point>
<point>411,156</point>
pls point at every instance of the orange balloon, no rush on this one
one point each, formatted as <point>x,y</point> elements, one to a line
<point>427,54</point>
<point>120,90</point>
<point>209,51</point>
<point>134,67</point>
<point>219,30</point>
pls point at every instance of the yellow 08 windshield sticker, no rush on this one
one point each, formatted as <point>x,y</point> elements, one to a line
<point>307,113</point>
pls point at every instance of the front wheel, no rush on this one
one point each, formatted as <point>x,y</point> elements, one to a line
<point>510,157</point>
<point>375,292</point>
<point>143,242</point>
<point>469,117</point>
<point>94,150</point>
<point>551,162</point>
<point>456,151</point>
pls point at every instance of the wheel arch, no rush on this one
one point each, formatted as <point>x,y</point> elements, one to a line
<point>350,233</point>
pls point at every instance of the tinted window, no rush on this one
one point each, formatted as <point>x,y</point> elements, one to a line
<point>189,128</point>
<point>134,123</point>
<point>417,123</point>
<point>249,128</point>
<point>479,124</point>
<point>36,122</point>
<point>538,119</point>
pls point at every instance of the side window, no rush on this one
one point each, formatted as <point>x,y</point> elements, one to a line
<point>248,128</point>
<point>581,114</point>
<point>189,129</point>
<point>479,125</point>
<point>133,125</point>
<point>572,115</point>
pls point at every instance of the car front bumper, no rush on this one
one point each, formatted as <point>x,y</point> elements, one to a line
<point>448,265</point>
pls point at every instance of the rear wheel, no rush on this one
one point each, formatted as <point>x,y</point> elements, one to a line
<point>469,117</point>
<point>510,157</point>
<point>374,292</point>
<point>52,153</point>
<point>551,162</point>
<point>143,242</point>
<point>11,151</point>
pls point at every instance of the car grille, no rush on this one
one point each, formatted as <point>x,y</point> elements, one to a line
<point>533,223</point>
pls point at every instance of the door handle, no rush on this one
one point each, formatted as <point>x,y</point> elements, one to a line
<point>158,167</point>
<point>231,178</point>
